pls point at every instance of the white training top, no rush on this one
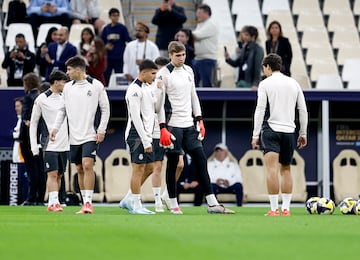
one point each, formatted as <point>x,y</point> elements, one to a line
<point>141,111</point>
<point>46,105</point>
<point>81,101</point>
<point>180,89</point>
<point>158,93</point>
<point>281,96</point>
<point>226,169</point>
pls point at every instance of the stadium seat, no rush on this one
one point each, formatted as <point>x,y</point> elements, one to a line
<point>75,33</point>
<point>43,30</point>
<point>329,82</point>
<point>309,20</point>
<point>314,37</point>
<point>253,170</point>
<point>353,84</point>
<point>303,80</point>
<point>336,6</point>
<point>299,193</point>
<point>117,175</point>
<point>270,5</point>
<point>305,6</point>
<point>323,67</point>
<point>346,37</point>
<point>341,21</point>
<point>346,175</point>
<point>99,193</point>
<point>356,8</point>
<point>118,81</point>
<point>350,69</point>
<point>239,5</point>
<point>319,53</point>
<point>23,28</point>
<point>348,52</point>
<point>246,18</point>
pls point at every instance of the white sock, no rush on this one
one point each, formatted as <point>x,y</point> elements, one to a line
<point>53,198</point>
<point>165,194</point>
<point>128,195</point>
<point>88,196</point>
<point>136,201</point>
<point>82,193</point>
<point>174,203</point>
<point>286,199</point>
<point>211,200</point>
<point>274,201</point>
<point>156,191</point>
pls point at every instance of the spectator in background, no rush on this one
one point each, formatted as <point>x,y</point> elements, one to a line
<point>59,52</point>
<point>87,36</point>
<point>96,60</point>
<point>185,37</point>
<point>249,59</point>
<point>170,19</point>
<point>19,61</point>
<point>43,49</point>
<point>16,12</point>
<point>280,45</point>
<point>189,182</point>
<point>87,11</point>
<point>115,36</point>
<point>34,164</point>
<point>48,11</point>
<point>138,50</point>
<point>225,174</point>
<point>206,41</point>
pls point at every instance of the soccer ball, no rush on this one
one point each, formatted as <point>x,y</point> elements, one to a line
<point>356,208</point>
<point>347,206</point>
<point>325,206</point>
<point>311,205</point>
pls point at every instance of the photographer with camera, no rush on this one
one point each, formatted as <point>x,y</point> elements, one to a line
<point>19,61</point>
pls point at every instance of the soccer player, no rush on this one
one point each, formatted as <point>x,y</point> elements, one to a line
<point>83,97</point>
<point>46,106</point>
<point>139,131</point>
<point>278,99</point>
<point>179,133</point>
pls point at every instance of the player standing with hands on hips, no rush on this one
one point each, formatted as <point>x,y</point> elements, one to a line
<point>179,133</point>
<point>83,96</point>
<point>278,98</point>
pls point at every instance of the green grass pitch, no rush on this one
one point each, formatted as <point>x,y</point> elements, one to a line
<point>112,233</point>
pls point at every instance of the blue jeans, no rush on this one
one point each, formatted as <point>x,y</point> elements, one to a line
<point>203,71</point>
<point>116,65</point>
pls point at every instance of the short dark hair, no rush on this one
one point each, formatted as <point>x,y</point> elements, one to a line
<point>113,11</point>
<point>162,61</point>
<point>57,75</point>
<point>76,62</point>
<point>251,30</point>
<point>206,8</point>
<point>147,64</point>
<point>175,46</point>
<point>20,35</point>
<point>20,99</point>
<point>44,86</point>
<point>274,61</point>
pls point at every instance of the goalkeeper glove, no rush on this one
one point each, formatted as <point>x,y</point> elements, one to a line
<point>200,127</point>
<point>166,137</point>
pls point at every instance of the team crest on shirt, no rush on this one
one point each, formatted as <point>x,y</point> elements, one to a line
<point>89,93</point>
<point>141,156</point>
<point>47,165</point>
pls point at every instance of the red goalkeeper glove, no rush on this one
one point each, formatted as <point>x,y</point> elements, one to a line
<point>200,127</point>
<point>166,138</point>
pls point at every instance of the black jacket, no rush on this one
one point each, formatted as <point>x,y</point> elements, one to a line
<point>24,65</point>
<point>169,23</point>
<point>284,51</point>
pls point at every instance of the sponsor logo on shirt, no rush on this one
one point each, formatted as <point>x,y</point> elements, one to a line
<point>89,93</point>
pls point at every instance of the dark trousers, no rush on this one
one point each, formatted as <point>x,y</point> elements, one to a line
<point>36,20</point>
<point>198,194</point>
<point>35,169</point>
<point>116,65</point>
<point>203,72</point>
<point>236,189</point>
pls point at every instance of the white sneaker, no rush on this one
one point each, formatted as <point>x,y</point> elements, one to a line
<point>159,207</point>
<point>219,209</point>
<point>176,211</point>
<point>124,204</point>
<point>166,201</point>
<point>141,211</point>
